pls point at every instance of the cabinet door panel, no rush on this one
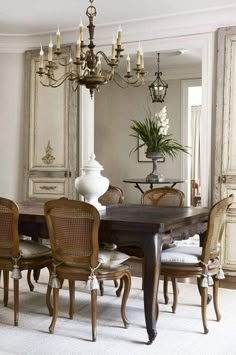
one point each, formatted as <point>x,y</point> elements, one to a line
<point>51,134</point>
<point>48,122</point>
<point>229,250</point>
<point>48,187</point>
<point>225,153</point>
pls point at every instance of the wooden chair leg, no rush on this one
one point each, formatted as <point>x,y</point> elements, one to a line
<point>72,298</point>
<point>36,274</point>
<point>16,301</point>
<point>209,297</point>
<point>116,283</point>
<point>120,288</point>
<point>101,286</point>
<point>5,287</point>
<point>48,300</point>
<point>204,306</point>
<point>165,289</point>
<point>127,285</point>
<point>55,310</point>
<point>175,293</point>
<point>94,314</point>
<point>31,286</point>
<point>215,299</point>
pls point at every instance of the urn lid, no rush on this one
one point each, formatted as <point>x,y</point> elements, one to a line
<point>93,164</point>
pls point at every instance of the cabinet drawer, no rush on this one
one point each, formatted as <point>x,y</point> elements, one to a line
<point>47,187</point>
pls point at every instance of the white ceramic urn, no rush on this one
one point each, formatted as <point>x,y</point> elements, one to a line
<point>92,184</point>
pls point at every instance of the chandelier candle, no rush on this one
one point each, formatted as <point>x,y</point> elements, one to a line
<point>58,36</point>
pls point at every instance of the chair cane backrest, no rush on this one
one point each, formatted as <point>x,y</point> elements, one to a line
<point>112,196</point>
<point>215,229</point>
<point>9,237</point>
<point>164,196</point>
<point>73,231</point>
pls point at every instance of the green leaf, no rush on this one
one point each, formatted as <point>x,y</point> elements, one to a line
<point>149,132</point>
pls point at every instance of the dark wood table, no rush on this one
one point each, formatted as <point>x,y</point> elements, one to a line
<point>137,182</point>
<point>138,225</point>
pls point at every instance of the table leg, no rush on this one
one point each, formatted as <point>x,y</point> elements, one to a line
<point>138,187</point>
<point>152,252</point>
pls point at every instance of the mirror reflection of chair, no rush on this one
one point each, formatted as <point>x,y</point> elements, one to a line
<point>17,255</point>
<point>164,196</point>
<point>73,230</point>
<point>200,262</point>
<point>112,196</point>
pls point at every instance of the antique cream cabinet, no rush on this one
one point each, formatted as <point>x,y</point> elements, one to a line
<point>51,139</point>
<point>225,153</point>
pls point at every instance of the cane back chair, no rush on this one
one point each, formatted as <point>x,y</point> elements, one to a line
<point>73,230</point>
<point>200,262</point>
<point>17,255</point>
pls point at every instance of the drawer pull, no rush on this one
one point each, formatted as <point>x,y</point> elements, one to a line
<point>48,188</point>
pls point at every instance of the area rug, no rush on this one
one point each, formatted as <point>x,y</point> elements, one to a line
<point>179,333</point>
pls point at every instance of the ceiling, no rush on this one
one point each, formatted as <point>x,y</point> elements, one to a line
<point>31,17</point>
<point>25,18</point>
<point>172,61</point>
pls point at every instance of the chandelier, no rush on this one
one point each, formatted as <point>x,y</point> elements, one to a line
<point>86,68</point>
<point>158,87</point>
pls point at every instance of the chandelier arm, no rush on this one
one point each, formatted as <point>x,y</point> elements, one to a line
<point>57,82</point>
<point>136,83</point>
<point>63,65</point>
<point>107,60</point>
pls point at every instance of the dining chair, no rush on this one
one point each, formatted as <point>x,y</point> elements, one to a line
<point>162,197</point>
<point>73,231</point>
<point>112,196</point>
<point>17,255</point>
<point>200,262</point>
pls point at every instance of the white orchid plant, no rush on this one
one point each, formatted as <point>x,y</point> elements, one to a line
<point>153,134</point>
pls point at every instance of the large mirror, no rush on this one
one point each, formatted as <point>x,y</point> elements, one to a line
<point>115,108</point>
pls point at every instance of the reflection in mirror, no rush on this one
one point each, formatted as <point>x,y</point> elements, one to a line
<point>115,108</point>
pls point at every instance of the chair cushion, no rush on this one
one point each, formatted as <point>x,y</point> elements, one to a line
<point>111,259</point>
<point>186,255</point>
<point>30,249</point>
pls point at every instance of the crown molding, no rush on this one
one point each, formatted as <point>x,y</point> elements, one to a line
<point>146,29</point>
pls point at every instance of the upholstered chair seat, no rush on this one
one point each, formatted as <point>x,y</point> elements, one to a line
<point>31,249</point>
<point>185,255</point>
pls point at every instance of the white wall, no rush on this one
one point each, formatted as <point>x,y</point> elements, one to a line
<point>115,108</point>
<point>12,125</point>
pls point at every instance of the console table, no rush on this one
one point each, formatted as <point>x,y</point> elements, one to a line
<point>138,182</point>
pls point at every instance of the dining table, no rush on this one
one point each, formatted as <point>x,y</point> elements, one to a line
<point>147,227</point>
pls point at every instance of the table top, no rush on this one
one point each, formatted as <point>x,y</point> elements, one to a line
<point>161,218</point>
<point>144,181</point>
